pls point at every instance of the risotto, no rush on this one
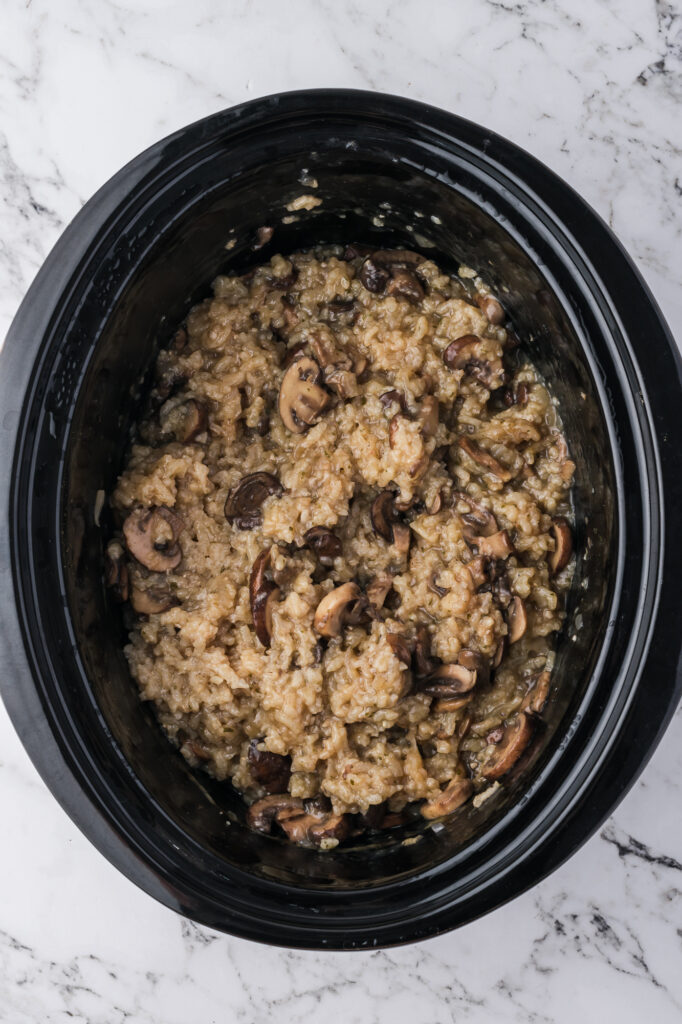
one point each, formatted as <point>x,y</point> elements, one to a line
<point>344,537</point>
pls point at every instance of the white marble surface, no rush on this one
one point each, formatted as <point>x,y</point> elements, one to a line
<point>592,87</point>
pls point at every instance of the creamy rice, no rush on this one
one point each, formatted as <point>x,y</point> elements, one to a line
<point>440,469</point>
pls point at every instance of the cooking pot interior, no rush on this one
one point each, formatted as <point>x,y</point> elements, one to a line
<point>383,203</point>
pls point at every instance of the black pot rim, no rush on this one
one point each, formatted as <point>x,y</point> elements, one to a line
<point>576,808</point>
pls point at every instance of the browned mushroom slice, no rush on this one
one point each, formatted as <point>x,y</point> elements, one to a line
<point>434,587</point>
<point>404,284</point>
<point>563,541</point>
<point>484,458</point>
<point>423,664</point>
<point>243,507</point>
<point>116,571</point>
<point>475,662</point>
<point>261,814</point>
<point>457,792</point>
<point>498,545</point>
<point>378,588</point>
<point>386,522</point>
<point>151,535</point>
<point>428,416</point>
<point>536,698</point>
<point>311,830</point>
<point>271,771</point>
<point>450,681</point>
<point>400,647</point>
<point>333,609</point>
<point>391,396</point>
<point>152,601</point>
<point>500,652</point>
<point>263,594</point>
<point>324,544</point>
<point>374,277</point>
<point>339,308</point>
<point>517,736</point>
<point>343,382</point>
<point>186,421</point>
<point>301,399</point>
<point>465,354</point>
<point>492,309</point>
<point>517,620</point>
<point>447,704</point>
<point>478,521</point>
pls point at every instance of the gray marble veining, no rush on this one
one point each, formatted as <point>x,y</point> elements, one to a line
<point>595,91</point>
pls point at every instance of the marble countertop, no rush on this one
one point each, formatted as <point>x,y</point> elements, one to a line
<point>594,90</point>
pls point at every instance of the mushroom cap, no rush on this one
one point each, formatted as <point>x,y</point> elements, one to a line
<point>243,506</point>
<point>386,522</point>
<point>491,308</point>
<point>301,399</point>
<point>465,354</point>
<point>517,736</point>
<point>151,536</point>
<point>152,601</point>
<point>517,620</point>
<point>457,792</point>
<point>334,607</point>
<point>450,681</point>
<point>261,814</point>
<point>269,770</point>
<point>483,458</point>
<point>324,544</point>
<point>263,595</point>
<point>563,539</point>
<point>498,545</point>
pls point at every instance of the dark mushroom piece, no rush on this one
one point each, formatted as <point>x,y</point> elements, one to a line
<point>334,608</point>
<point>377,590</point>
<point>312,830</point>
<point>324,544</point>
<point>536,698</point>
<point>492,309</point>
<point>399,646</point>
<point>450,681</point>
<point>517,620</point>
<point>429,416</point>
<point>483,458</point>
<point>465,354</point>
<point>151,536</point>
<point>434,587</point>
<point>478,521</point>
<point>517,736</point>
<point>283,283</point>
<point>152,601</point>
<point>500,652</point>
<point>243,507</point>
<point>186,421</point>
<point>116,571</point>
<point>387,523</point>
<point>261,814</point>
<point>563,541</point>
<point>404,284</point>
<point>301,398</point>
<point>271,771</point>
<point>423,663</point>
<point>373,276</point>
<point>457,792</point>
<point>498,545</point>
<point>264,594</point>
<point>391,396</point>
<point>445,705</point>
<point>475,662</point>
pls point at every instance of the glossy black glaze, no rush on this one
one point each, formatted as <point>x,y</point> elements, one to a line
<point>72,370</point>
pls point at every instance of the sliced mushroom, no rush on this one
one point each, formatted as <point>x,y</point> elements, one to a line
<point>261,814</point>
<point>271,771</point>
<point>492,309</point>
<point>324,544</point>
<point>373,276</point>
<point>500,652</point>
<point>400,647</point>
<point>339,308</point>
<point>301,399</point>
<point>152,601</point>
<point>445,705</point>
<point>435,588</point>
<point>563,545</point>
<point>186,420</point>
<point>116,571</point>
<point>536,698</point>
<point>243,507</point>
<point>311,830</point>
<point>151,535</point>
<point>423,664</point>
<point>264,594</point>
<point>498,545</point>
<point>465,354</point>
<point>428,416</point>
<point>405,284</point>
<point>450,681</point>
<point>333,609</point>
<point>517,620</point>
<point>457,792</point>
<point>343,382</point>
<point>506,753</point>
<point>378,588</point>
<point>484,458</point>
<point>391,396</point>
<point>475,662</point>
<point>387,523</point>
<point>479,521</point>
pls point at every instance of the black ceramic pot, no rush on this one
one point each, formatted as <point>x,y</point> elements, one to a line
<point>390,172</point>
